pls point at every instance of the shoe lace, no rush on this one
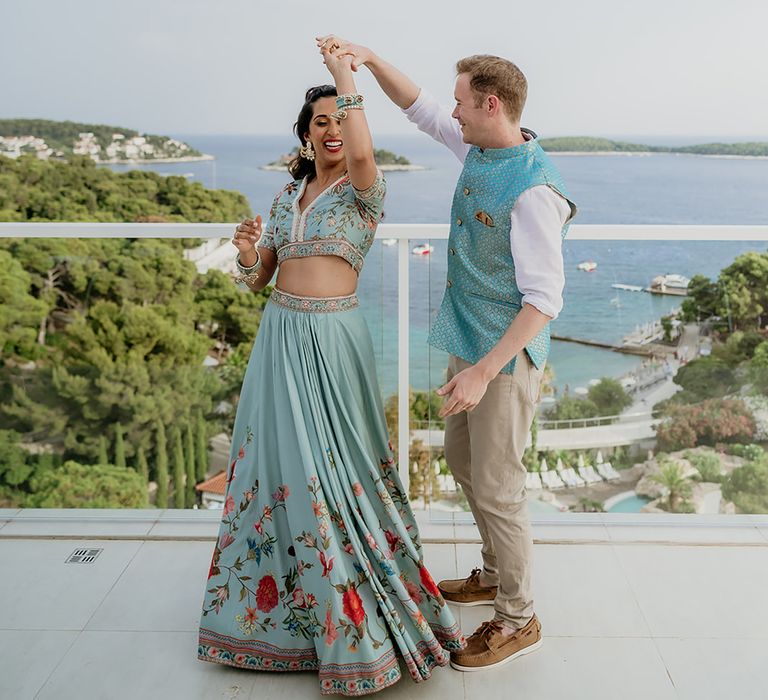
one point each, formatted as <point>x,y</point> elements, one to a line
<point>487,629</point>
<point>474,577</point>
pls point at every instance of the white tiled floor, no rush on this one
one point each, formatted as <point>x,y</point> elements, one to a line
<point>653,619</point>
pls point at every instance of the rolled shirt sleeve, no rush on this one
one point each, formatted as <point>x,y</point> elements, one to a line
<point>436,121</point>
<point>535,237</point>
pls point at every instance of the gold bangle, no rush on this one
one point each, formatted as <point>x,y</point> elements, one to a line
<point>248,274</point>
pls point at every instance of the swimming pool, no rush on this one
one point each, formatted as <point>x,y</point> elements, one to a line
<point>631,503</point>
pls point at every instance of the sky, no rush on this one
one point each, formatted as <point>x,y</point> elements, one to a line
<point>595,67</point>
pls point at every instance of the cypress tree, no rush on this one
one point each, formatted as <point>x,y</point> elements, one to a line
<point>161,466</point>
<point>201,453</point>
<point>178,468</point>
<point>103,458</point>
<point>189,464</point>
<point>141,463</point>
<point>119,446</point>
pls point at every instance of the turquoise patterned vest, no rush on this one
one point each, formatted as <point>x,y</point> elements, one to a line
<point>481,296</point>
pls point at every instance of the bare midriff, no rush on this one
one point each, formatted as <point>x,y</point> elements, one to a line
<point>317,276</point>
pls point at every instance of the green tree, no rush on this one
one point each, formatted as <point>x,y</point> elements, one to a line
<point>82,486</point>
<point>201,451</point>
<point>706,378</point>
<point>678,487</point>
<point>747,487</point>
<point>590,505</point>
<point>702,301</point>
<point>707,464</point>
<point>738,347</point>
<point>78,190</point>
<point>744,285</point>
<point>141,464</point>
<point>667,327</point>
<point>103,457</point>
<point>758,369</point>
<point>21,313</point>
<point>572,408</point>
<point>161,466</point>
<point>15,468</point>
<point>226,313</point>
<point>119,446</point>
<point>189,462</point>
<point>178,468</point>
<point>129,351</point>
<point>609,397</point>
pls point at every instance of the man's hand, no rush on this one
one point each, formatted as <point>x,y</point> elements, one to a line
<point>464,391</point>
<point>341,47</point>
<point>335,61</point>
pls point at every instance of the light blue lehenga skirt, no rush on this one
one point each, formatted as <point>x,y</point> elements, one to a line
<point>318,564</point>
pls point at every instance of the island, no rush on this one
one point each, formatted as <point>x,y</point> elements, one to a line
<point>590,145</point>
<point>47,139</point>
<point>386,160</point>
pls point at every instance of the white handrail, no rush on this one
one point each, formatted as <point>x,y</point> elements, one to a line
<point>404,233</point>
<point>577,232</point>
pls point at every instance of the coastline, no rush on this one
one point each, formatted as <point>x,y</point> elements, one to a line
<point>602,153</point>
<point>391,167</point>
<point>652,153</point>
<point>145,161</point>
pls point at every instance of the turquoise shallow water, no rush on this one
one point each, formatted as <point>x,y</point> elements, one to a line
<point>633,504</point>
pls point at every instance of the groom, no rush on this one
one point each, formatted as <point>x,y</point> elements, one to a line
<point>505,282</point>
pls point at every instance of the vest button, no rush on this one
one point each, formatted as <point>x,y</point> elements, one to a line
<point>466,190</point>
<point>449,283</point>
<point>452,251</point>
<point>458,221</point>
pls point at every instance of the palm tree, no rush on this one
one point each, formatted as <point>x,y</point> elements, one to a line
<point>590,505</point>
<point>677,485</point>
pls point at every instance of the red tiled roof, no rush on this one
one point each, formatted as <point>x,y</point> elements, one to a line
<point>216,484</point>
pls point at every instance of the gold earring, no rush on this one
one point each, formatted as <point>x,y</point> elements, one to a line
<point>307,151</point>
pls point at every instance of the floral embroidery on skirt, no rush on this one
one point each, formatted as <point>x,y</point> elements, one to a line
<point>318,563</point>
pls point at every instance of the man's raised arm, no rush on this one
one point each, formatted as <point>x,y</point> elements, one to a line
<point>419,106</point>
<point>396,85</point>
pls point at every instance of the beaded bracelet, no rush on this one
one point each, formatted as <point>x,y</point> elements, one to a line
<point>350,101</point>
<point>248,274</point>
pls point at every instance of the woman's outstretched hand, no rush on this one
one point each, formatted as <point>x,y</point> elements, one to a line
<point>334,59</point>
<point>340,48</point>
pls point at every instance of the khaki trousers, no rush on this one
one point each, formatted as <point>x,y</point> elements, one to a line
<point>484,450</point>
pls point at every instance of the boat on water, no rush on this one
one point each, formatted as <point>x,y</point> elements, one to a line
<point>423,249</point>
<point>587,266</point>
<point>627,287</point>
<point>389,241</point>
<point>675,281</point>
<point>669,284</point>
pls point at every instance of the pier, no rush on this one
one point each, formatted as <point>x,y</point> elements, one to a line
<point>627,350</point>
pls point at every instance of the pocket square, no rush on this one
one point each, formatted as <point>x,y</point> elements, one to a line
<point>484,218</point>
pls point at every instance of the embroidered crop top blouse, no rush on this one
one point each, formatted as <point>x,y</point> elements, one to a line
<point>341,221</point>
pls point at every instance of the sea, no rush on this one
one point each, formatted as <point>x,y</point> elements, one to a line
<point>608,189</point>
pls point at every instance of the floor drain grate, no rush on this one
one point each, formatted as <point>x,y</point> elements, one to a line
<point>83,556</point>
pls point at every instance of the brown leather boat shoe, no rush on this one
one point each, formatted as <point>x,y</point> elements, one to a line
<point>489,646</point>
<point>467,591</point>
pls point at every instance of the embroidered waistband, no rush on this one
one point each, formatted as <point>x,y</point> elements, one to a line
<point>314,304</point>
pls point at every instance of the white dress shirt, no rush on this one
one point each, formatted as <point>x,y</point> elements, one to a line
<point>538,216</point>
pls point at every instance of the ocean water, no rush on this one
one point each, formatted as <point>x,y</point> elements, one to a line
<point>657,189</point>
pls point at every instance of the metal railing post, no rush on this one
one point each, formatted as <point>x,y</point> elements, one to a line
<point>403,366</point>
